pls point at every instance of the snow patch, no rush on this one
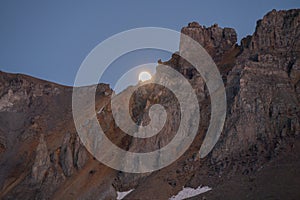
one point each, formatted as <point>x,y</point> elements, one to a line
<point>121,195</point>
<point>100,110</point>
<point>190,192</point>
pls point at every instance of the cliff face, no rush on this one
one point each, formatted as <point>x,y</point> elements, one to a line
<point>41,156</point>
<point>216,40</point>
<point>263,91</point>
<point>262,86</point>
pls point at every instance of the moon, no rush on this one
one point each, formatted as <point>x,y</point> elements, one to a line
<point>144,76</point>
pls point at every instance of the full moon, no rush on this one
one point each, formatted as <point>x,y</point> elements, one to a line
<point>144,76</point>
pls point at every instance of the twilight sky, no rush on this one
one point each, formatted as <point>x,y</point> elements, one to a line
<point>50,39</point>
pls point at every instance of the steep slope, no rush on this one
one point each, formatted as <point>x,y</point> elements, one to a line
<point>41,154</point>
<point>262,123</point>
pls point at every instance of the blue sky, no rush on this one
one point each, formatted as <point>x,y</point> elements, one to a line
<point>50,39</point>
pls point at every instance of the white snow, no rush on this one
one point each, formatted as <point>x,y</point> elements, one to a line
<point>100,110</point>
<point>121,195</point>
<point>190,192</point>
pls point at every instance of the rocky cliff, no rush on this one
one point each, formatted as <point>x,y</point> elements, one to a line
<point>42,157</point>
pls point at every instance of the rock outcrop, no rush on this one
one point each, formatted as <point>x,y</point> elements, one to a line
<point>263,115</point>
<point>42,161</point>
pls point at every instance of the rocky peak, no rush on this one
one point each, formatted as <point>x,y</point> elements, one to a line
<point>275,42</point>
<point>278,30</point>
<point>214,39</point>
<point>220,43</point>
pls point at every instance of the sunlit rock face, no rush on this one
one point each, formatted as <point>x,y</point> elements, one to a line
<point>42,156</point>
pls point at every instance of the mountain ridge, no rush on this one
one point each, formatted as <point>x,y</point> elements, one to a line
<point>42,156</point>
